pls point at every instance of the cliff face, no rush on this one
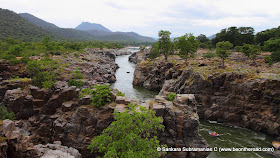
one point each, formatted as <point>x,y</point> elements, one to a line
<point>230,98</point>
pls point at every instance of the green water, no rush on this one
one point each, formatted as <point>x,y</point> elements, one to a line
<point>229,136</point>
<point>234,137</point>
<point>124,81</point>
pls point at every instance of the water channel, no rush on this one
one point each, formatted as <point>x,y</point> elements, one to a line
<point>229,137</point>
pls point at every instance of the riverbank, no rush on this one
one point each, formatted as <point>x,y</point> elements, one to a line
<point>62,121</point>
<point>236,96</point>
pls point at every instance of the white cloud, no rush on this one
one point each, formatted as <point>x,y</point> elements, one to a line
<point>147,17</point>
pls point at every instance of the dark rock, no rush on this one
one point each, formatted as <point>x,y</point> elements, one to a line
<point>38,93</point>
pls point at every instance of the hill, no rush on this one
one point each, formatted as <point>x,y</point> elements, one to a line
<point>99,30</point>
<point>103,34</point>
<point>85,26</point>
<point>211,37</point>
<point>14,26</point>
<point>66,33</point>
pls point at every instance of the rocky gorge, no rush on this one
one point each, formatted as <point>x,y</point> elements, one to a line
<point>59,122</point>
<point>234,97</point>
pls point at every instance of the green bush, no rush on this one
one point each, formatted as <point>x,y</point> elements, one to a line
<point>275,56</point>
<point>42,72</point>
<point>77,74</point>
<point>14,62</point>
<point>76,55</point>
<point>4,114</point>
<point>130,135</point>
<point>154,53</point>
<point>120,94</point>
<point>268,60</point>
<point>100,94</point>
<point>24,60</point>
<point>209,55</point>
<point>77,83</point>
<point>171,96</point>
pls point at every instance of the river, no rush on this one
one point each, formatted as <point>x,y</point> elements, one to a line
<point>229,137</point>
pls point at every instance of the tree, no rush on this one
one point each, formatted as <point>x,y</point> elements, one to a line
<point>222,50</point>
<point>236,36</point>
<point>164,43</point>
<point>187,44</point>
<point>272,44</point>
<point>251,51</point>
<point>202,38</point>
<point>154,53</point>
<point>131,135</point>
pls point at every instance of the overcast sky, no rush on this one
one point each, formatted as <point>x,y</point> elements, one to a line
<point>147,17</point>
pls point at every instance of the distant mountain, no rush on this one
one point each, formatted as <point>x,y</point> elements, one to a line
<point>66,33</point>
<point>211,37</point>
<point>97,32</point>
<point>106,34</point>
<point>135,35</point>
<point>85,26</point>
<point>14,26</point>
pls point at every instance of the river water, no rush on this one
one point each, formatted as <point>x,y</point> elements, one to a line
<point>229,137</point>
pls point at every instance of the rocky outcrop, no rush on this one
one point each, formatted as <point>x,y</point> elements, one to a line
<point>232,99</point>
<point>123,51</point>
<point>7,71</point>
<point>19,144</point>
<point>153,75</point>
<point>95,67</point>
<point>58,115</point>
<point>181,124</point>
<point>136,57</point>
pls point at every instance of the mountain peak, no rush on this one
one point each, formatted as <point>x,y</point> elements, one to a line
<point>86,26</point>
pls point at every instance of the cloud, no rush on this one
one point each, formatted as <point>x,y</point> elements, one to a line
<point>147,17</point>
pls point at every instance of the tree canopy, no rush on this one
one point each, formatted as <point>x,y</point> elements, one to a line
<point>164,43</point>
<point>222,50</point>
<point>131,135</point>
<point>187,44</point>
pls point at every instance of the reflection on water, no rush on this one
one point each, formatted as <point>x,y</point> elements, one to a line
<point>124,81</point>
<point>234,137</point>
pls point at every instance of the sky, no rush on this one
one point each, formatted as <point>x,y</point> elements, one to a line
<point>148,17</point>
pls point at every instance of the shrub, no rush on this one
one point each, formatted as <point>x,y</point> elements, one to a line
<point>14,62</point>
<point>42,72</point>
<point>209,55</point>
<point>120,94</point>
<point>275,56</point>
<point>77,74</point>
<point>154,53</point>
<point>100,94</point>
<point>171,96</point>
<point>4,114</point>
<point>24,60</point>
<point>77,83</point>
<point>268,60</point>
<point>131,135</point>
<point>76,55</point>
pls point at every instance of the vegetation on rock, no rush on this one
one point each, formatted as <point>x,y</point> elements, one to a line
<point>42,72</point>
<point>131,135</point>
<point>187,44</point>
<point>4,114</point>
<point>222,50</point>
<point>171,96</point>
<point>100,94</point>
<point>164,43</point>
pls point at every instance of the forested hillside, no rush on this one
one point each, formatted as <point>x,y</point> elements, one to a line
<point>14,26</point>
